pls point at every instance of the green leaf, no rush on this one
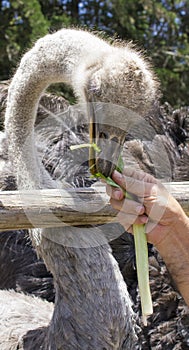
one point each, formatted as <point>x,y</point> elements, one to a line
<point>120,164</point>
<point>83,145</point>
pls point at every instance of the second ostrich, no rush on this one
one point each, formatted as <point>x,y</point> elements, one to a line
<point>92,307</point>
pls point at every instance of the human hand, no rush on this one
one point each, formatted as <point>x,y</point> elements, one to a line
<point>167,226</point>
<point>152,204</point>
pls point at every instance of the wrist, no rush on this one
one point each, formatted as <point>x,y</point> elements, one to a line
<point>168,236</point>
<point>173,223</point>
<point>182,224</point>
<point>174,249</point>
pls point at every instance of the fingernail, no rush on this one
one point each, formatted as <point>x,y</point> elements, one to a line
<point>140,209</point>
<point>144,219</point>
<point>117,174</point>
<point>118,194</point>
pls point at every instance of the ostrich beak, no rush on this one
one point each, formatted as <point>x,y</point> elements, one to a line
<point>109,140</point>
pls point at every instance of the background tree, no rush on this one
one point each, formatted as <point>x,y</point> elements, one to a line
<point>162,28</point>
<point>20,24</point>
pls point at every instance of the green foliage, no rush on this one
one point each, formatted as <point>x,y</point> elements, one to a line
<point>161,27</point>
<point>56,14</point>
<point>21,23</point>
<point>37,23</point>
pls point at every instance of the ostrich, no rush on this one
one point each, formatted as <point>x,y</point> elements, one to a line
<point>92,307</point>
<point>20,268</point>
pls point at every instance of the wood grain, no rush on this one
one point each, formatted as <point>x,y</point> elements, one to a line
<point>54,208</point>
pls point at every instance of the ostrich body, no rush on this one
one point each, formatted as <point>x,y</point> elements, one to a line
<point>92,306</point>
<point>19,267</point>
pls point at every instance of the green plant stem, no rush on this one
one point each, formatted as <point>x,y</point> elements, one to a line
<point>141,251</point>
<point>141,247</point>
<point>85,145</point>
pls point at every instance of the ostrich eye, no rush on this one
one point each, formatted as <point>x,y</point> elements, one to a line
<point>103,135</point>
<point>115,139</point>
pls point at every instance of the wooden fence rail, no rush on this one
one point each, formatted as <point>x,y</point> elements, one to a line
<point>54,208</point>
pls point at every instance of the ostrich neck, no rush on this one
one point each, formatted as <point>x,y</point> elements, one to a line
<point>92,306</point>
<point>55,58</point>
<point>92,309</point>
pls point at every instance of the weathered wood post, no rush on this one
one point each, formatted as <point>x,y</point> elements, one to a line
<point>55,208</point>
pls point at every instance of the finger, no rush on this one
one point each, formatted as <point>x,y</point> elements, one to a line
<point>139,221</point>
<point>138,187</point>
<point>128,206</point>
<point>115,193</point>
<point>128,220</point>
<point>139,175</point>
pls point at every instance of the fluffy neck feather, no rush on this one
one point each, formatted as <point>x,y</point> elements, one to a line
<point>54,58</point>
<point>110,74</point>
<point>92,308</point>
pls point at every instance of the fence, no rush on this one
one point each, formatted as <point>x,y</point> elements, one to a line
<point>54,208</point>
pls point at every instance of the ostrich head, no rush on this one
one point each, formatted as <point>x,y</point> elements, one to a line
<point>115,82</point>
<point>120,88</point>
